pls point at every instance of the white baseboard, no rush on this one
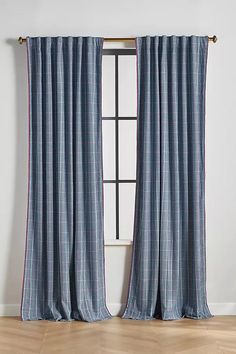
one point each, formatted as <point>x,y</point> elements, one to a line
<point>116,309</point>
<point>9,309</point>
<point>222,308</point>
<point>217,308</point>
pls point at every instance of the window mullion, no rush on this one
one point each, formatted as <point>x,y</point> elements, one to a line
<point>117,144</point>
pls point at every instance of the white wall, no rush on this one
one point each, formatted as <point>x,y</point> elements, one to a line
<point>121,18</point>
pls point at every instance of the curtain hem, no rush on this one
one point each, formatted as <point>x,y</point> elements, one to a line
<point>74,316</point>
<point>169,315</point>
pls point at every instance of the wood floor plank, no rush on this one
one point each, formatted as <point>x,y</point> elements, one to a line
<point>116,336</point>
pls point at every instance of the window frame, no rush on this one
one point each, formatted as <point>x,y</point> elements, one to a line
<point>117,181</point>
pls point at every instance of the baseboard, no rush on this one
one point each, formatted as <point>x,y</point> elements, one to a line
<point>217,308</point>
<point>116,309</point>
<point>222,308</point>
<point>9,309</point>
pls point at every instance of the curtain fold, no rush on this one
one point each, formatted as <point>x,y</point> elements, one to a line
<point>168,264</point>
<point>64,260</point>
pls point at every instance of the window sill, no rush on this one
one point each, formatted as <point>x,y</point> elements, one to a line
<point>118,243</point>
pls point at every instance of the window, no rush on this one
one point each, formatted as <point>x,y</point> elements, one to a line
<point>119,120</point>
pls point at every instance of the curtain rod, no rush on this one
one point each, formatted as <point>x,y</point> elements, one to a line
<point>213,39</point>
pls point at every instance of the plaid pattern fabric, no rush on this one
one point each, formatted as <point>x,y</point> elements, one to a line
<point>64,262</point>
<point>168,266</point>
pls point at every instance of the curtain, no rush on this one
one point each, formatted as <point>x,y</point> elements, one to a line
<point>168,264</point>
<point>64,259</point>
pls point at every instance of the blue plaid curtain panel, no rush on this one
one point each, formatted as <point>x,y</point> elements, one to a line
<point>168,265</point>
<point>64,260</point>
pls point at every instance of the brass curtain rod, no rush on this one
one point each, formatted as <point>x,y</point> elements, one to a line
<point>213,39</point>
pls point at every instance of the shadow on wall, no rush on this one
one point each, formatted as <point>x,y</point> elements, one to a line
<point>14,276</point>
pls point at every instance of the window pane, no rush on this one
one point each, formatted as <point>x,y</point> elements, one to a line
<point>127,86</point>
<point>127,149</point>
<point>108,145</point>
<point>127,200</point>
<point>108,86</point>
<point>109,211</point>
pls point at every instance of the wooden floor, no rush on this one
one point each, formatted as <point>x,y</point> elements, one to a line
<point>116,336</point>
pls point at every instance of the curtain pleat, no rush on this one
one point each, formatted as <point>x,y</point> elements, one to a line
<point>64,261</point>
<point>168,264</point>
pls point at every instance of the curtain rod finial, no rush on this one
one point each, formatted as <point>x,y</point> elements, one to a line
<point>214,39</point>
<point>20,40</point>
